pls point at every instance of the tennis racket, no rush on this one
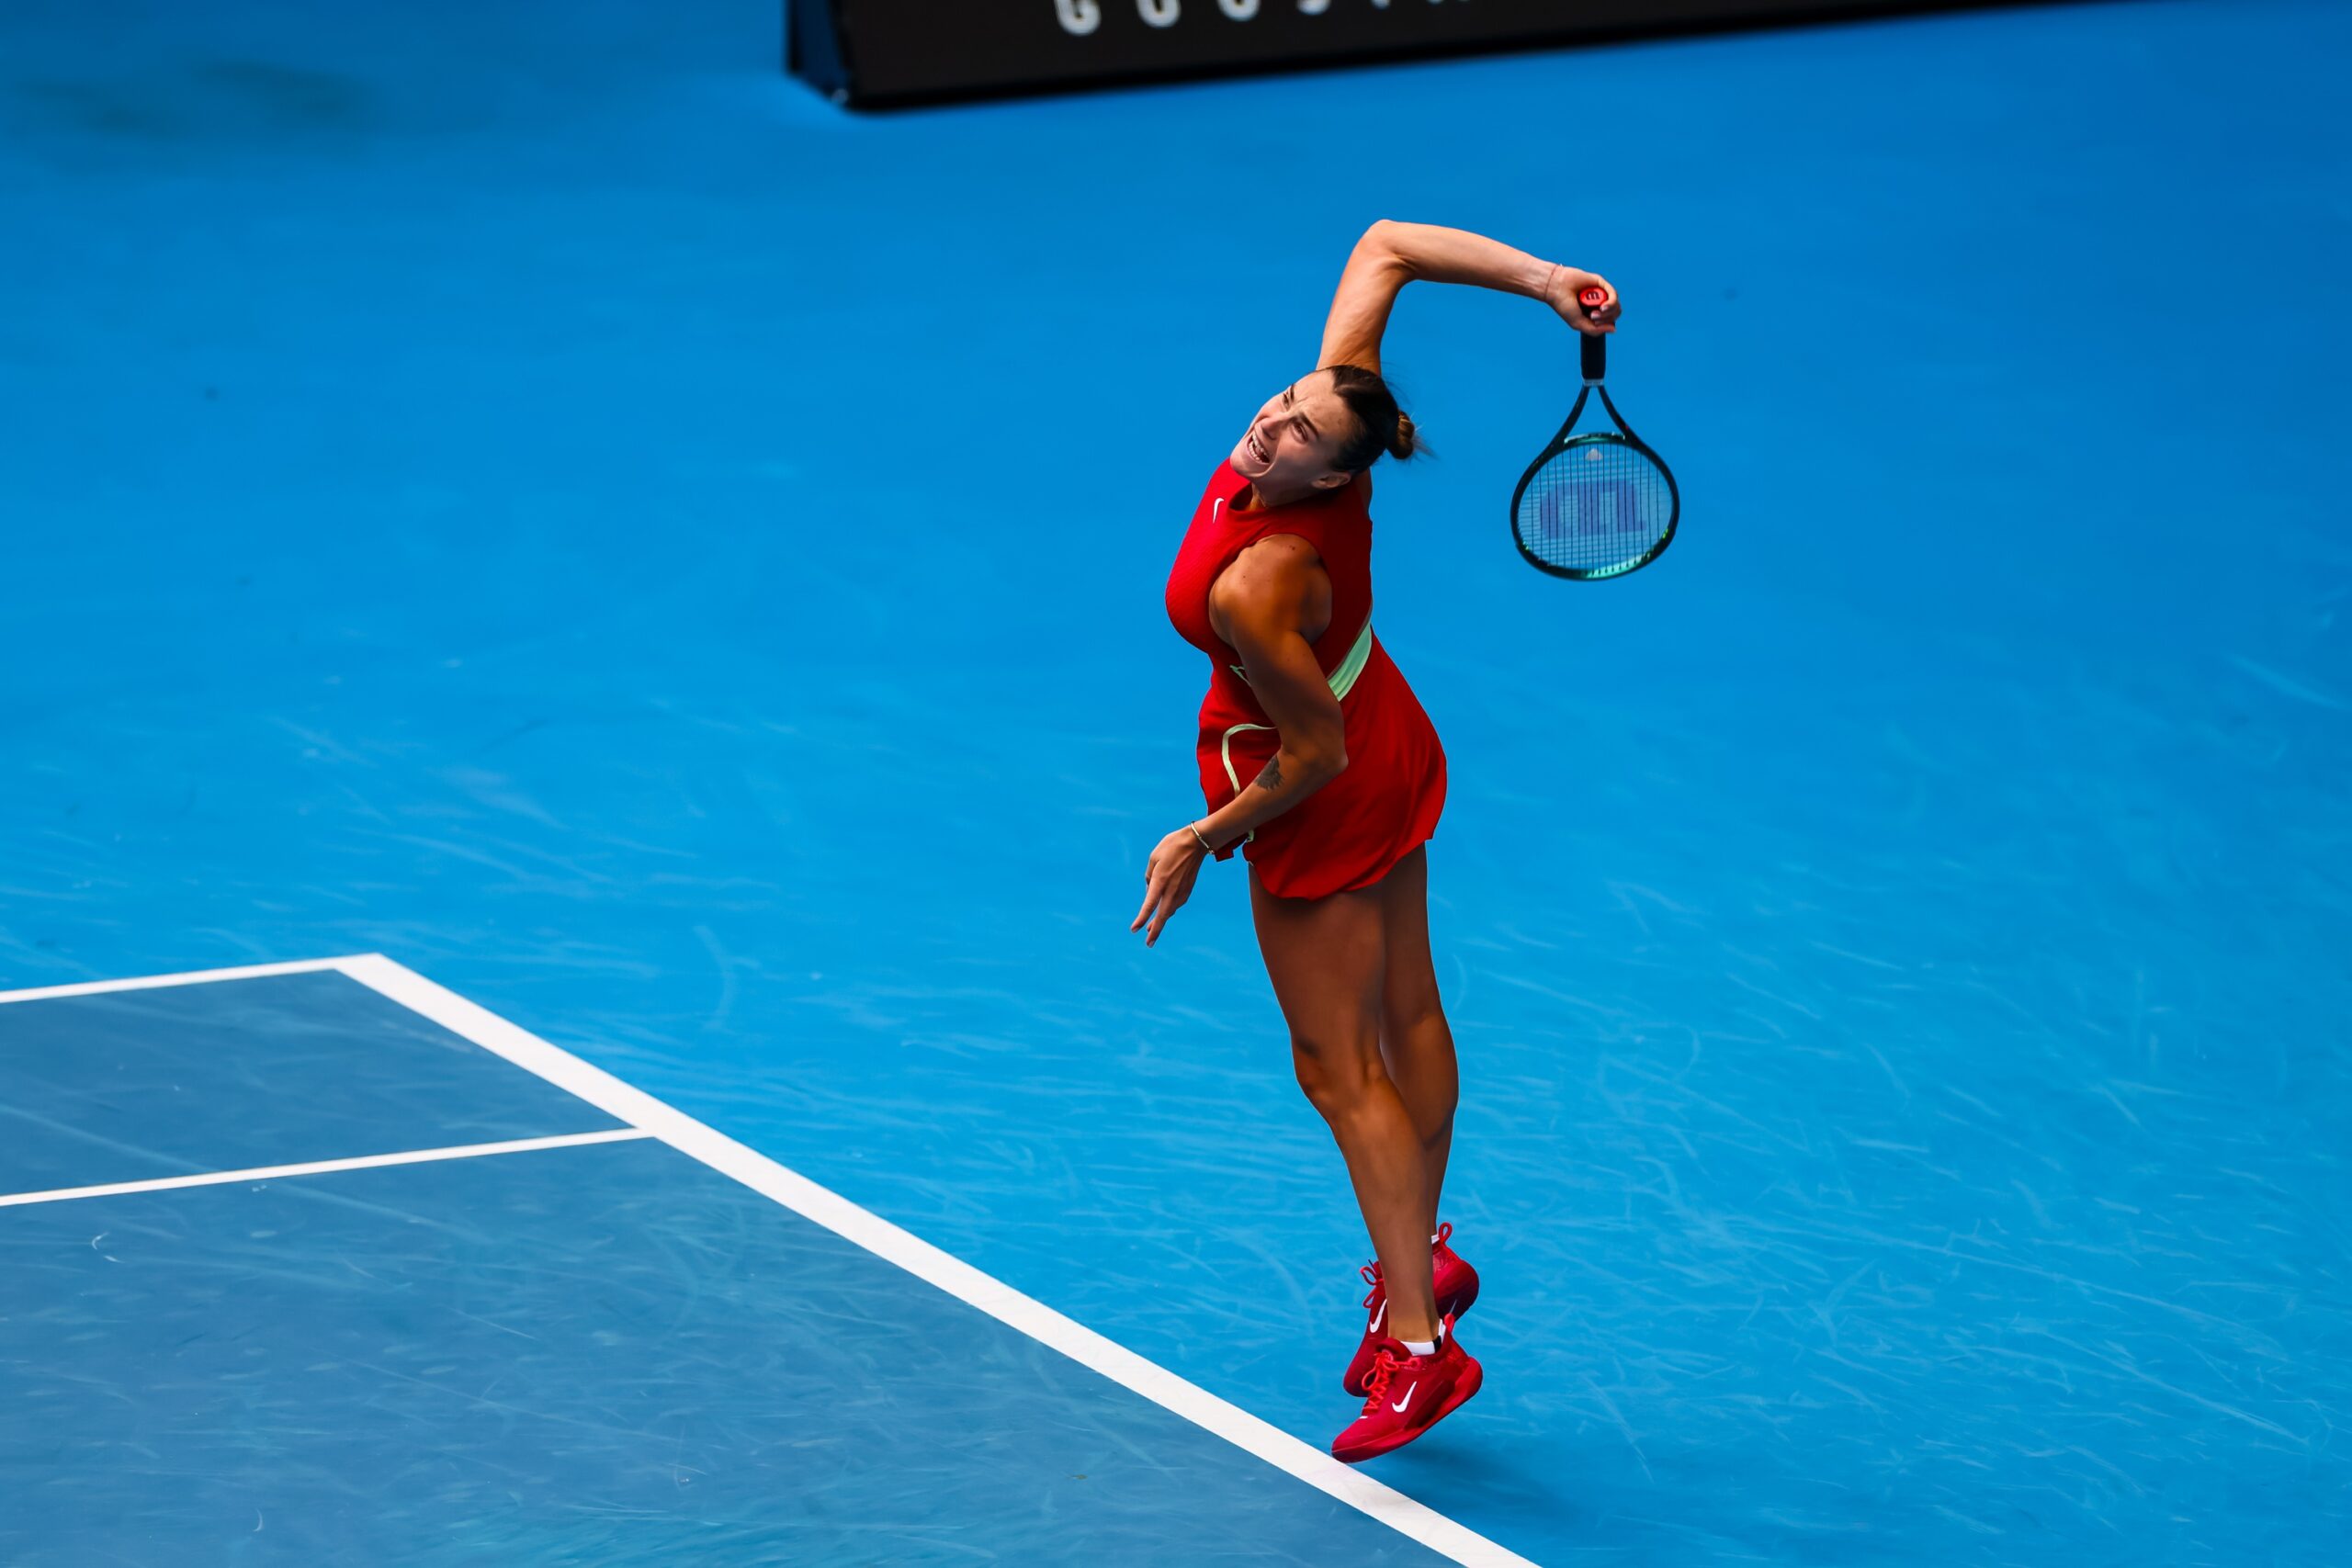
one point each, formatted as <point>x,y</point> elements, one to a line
<point>1599,504</point>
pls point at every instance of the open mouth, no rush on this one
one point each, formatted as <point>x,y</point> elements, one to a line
<point>1258,448</point>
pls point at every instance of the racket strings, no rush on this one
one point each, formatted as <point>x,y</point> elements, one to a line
<point>1601,502</point>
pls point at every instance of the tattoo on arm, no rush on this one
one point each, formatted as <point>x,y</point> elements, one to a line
<point>1271,778</point>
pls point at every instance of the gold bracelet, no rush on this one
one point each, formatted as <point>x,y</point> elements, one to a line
<point>1196,834</point>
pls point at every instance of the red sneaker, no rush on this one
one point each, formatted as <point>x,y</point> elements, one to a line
<point>1407,1396</point>
<point>1458,1287</point>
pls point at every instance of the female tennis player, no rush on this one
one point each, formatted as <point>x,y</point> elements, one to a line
<point>1317,762</point>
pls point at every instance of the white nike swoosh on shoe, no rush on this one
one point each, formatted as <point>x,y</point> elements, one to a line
<point>1399,1405</point>
<point>1378,1318</point>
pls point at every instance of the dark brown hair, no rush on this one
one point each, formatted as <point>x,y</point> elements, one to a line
<point>1381,425</point>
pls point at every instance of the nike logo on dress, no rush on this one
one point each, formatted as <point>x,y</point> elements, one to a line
<point>1399,1405</point>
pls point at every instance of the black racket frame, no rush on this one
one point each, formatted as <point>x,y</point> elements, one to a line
<point>1596,367</point>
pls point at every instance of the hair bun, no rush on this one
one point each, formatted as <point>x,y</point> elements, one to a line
<point>1405,442</point>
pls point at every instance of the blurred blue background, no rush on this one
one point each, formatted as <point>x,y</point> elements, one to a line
<point>532,491</point>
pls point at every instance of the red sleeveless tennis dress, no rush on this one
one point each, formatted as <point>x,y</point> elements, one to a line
<point>1386,802</point>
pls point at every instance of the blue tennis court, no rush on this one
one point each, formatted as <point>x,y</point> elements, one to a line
<point>519,1327</point>
<point>529,492</point>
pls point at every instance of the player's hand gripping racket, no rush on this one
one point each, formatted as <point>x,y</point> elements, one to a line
<point>1598,504</point>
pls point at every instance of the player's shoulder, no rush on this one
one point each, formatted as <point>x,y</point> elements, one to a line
<point>1273,583</point>
<point>1275,557</point>
<point>1274,569</point>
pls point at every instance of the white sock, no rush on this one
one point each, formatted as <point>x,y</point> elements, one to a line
<point>1433,1241</point>
<point>1419,1347</point>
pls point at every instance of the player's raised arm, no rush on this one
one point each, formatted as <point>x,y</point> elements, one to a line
<point>1392,254</point>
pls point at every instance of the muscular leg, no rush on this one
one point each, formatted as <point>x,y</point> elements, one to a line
<point>1414,1039</point>
<point>1325,957</point>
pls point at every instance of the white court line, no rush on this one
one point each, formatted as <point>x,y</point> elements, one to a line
<point>158,982</point>
<point>877,1235</point>
<point>319,1166</point>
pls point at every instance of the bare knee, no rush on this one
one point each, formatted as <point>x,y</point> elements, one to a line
<point>1336,1075</point>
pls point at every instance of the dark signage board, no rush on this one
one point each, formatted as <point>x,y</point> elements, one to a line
<point>877,53</point>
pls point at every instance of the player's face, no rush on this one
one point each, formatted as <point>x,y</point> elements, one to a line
<point>1288,448</point>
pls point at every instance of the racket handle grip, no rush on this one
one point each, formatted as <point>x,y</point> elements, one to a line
<point>1596,347</point>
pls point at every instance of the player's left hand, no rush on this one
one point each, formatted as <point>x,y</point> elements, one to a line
<point>1168,879</point>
